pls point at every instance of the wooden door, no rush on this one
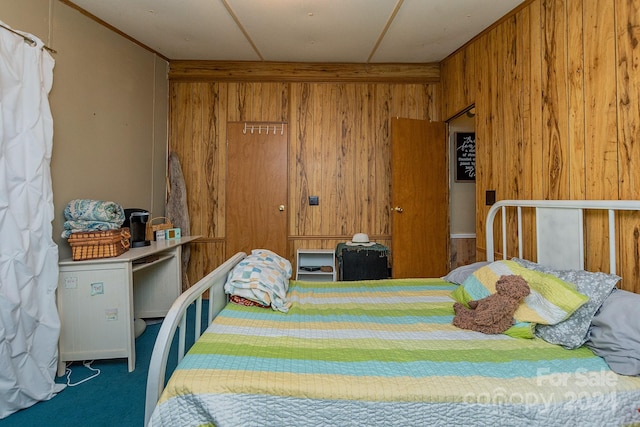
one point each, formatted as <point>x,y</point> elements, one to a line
<point>420,222</point>
<point>256,188</point>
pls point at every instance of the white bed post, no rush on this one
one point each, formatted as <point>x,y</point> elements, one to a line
<point>612,242</point>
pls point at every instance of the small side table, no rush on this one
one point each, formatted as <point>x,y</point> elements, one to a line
<point>310,261</point>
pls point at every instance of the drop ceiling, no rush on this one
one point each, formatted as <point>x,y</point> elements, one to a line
<point>356,31</point>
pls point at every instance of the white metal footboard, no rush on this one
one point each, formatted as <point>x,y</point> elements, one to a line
<point>177,316</point>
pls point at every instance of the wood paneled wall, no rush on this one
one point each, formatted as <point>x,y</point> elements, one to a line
<point>339,150</point>
<point>557,93</point>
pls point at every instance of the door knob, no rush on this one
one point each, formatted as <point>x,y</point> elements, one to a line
<point>281,208</point>
<point>397,209</point>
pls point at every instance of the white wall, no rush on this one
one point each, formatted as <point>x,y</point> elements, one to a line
<point>109,104</point>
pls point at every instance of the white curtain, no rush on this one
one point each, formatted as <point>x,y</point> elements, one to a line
<point>29,322</point>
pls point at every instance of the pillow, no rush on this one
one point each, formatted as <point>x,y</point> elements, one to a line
<point>615,332</point>
<point>262,277</point>
<point>551,300</point>
<point>573,332</point>
<point>460,274</point>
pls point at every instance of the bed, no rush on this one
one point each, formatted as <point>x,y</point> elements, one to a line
<point>385,352</point>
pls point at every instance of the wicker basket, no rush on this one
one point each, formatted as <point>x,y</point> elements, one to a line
<point>99,244</point>
<point>151,229</point>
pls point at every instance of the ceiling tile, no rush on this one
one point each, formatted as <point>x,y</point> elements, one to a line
<point>314,30</point>
<point>428,31</point>
<point>185,29</point>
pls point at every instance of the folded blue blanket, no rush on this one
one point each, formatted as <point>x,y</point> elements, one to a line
<point>92,215</point>
<point>94,210</point>
<point>80,225</point>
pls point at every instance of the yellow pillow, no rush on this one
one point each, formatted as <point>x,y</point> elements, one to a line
<point>551,300</point>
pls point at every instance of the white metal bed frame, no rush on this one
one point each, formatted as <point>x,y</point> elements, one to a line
<point>567,216</point>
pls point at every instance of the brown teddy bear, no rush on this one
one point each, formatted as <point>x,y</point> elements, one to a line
<point>493,314</point>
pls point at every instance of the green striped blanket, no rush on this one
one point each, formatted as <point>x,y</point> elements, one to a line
<point>384,353</point>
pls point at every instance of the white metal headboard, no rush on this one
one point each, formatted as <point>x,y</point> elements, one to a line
<point>557,221</point>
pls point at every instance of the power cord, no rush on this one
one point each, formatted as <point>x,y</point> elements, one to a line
<point>86,364</point>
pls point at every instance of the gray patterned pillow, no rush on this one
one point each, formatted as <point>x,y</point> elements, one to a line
<point>574,331</point>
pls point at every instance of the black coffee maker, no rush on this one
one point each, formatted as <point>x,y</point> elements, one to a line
<point>136,220</point>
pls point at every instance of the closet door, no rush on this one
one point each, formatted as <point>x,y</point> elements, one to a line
<point>419,194</point>
<point>256,214</point>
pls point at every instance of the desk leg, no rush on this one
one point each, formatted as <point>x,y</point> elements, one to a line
<point>62,368</point>
<point>131,336</point>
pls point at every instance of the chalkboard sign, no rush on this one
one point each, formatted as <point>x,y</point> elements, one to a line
<point>465,157</point>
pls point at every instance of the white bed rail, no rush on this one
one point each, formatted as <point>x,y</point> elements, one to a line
<point>177,317</point>
<point>562,244</point>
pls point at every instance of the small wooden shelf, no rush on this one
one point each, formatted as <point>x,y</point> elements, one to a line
<point>316,258</point>
<point>149,261</point>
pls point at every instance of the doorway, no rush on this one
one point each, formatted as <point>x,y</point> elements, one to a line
<point>462,195</point>
<point>256,187</point>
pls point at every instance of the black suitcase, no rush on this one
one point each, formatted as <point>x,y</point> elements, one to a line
<point>363,264</point>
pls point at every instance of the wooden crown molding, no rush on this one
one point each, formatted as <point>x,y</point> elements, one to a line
<point>193,70</point>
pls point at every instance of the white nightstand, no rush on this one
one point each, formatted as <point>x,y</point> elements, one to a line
<point>309,261</point>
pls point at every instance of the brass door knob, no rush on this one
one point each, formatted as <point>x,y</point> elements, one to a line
<point>281,208</point>
<point>397,209</point>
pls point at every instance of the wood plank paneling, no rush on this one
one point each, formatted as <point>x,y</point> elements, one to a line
<point>463,252</point>
<point>339,150</point>
<point>381,219</point>
<point>341,153</point>
<point>512,176</point>
<point>601,147</point>
<point>575,79</point>
<point>571,92</point>
<point>482,99</point>
<point>628,90</point>
<point>554,107</point>
<point>628,106</point>
<point>194,135</point>
<point>461,91</point>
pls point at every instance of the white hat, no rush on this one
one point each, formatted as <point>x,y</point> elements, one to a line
<point>360,239</point>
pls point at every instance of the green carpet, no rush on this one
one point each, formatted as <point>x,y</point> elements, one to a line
<point>114,398</point>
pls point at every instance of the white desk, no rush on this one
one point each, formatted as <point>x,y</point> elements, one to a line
<point>98,299</point>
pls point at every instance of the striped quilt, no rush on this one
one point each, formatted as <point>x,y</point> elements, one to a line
<point>384,353</point>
